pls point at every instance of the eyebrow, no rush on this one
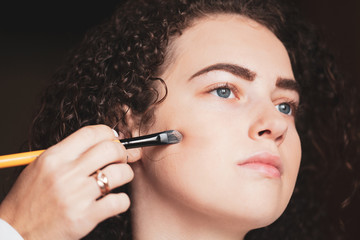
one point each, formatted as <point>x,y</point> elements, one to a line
<point>231,68</point>
<point>247,74</point>
<point>288,84</point>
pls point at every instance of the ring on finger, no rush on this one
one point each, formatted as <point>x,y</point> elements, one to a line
<point>103,182</point>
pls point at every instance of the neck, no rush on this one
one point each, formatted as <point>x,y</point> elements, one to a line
<point>155,217</point>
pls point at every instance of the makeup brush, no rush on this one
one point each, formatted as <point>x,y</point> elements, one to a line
<point>155,139</point>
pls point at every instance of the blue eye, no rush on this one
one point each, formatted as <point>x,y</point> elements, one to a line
<point>285,108</point>
<point>223,92</point>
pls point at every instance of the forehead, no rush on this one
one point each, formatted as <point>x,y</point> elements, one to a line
<point>228,38</point>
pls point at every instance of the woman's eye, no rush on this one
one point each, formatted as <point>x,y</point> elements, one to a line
<point>223,92</point>
<point>285,108</point>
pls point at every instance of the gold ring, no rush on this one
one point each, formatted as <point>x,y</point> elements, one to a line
<point>103,182</point>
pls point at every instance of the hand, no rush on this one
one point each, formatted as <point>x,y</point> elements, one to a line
<point>57,196</point>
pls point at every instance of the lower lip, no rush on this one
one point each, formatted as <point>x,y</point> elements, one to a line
<point>266,169</point>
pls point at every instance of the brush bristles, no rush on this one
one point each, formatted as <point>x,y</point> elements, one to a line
<point>174,136</point>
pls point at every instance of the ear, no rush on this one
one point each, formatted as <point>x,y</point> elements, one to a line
<point>131,126</point>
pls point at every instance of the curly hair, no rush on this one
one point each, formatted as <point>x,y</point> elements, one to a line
<point>115,69</point>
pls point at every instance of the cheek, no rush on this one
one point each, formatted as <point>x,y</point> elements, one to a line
<point>183,173</point>
<point>291,152</point>
<point>190,170</point>
<point>200,144</point>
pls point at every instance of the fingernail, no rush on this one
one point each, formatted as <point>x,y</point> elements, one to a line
<point>115,133</point>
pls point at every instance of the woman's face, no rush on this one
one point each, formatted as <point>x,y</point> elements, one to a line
<point>231,93</point>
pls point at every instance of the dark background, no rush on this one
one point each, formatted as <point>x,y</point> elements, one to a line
<point>34,40</point>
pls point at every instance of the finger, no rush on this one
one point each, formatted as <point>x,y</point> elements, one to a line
<point>74,145</point>
<point>110,205</point>
<point>100,155</point>
<point>133,155</point>
<point>116,174</point>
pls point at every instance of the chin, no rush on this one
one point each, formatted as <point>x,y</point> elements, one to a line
<point>263,219</point>
<point>257,209</point>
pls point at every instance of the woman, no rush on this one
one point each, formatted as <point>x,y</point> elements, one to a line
<point>230,76</point>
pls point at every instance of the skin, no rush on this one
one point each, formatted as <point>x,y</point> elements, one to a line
<point>197,189</point>
<point>55,197</point>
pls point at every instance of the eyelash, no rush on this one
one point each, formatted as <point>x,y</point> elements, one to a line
<point>293,104</point>
<point>294,107</point>
<point>231,87</point>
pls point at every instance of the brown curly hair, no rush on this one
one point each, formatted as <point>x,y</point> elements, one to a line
<point>115,69</point>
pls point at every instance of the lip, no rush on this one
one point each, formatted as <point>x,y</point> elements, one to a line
<point>265,163</point>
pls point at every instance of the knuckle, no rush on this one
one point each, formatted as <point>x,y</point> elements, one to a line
<point>102,129</point>
<point>71,213</point>
<point>112,150</point>
<point>47,163</point>
<point>57,188</point>
<point>120,174</point>
<point>70,218</point>
<point>64,207</point>
<point>88,132</point>
<point>108,148</point>
<point>94,131</point>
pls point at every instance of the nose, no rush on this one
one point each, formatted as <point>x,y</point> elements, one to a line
<point>269,124</point>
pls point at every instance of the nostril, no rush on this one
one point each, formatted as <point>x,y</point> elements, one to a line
<point>264,132</point>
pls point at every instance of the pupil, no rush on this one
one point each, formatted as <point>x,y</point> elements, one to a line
<point>224,92</point>
<point>284,108</point>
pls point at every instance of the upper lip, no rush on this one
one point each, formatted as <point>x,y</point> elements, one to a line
<point>264,158</point>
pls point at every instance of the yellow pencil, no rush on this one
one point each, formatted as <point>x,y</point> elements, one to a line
<point>18,159</point>
<point>161,138</point>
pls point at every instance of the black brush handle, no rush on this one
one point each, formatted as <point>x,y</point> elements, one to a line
<point>154,139</point>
